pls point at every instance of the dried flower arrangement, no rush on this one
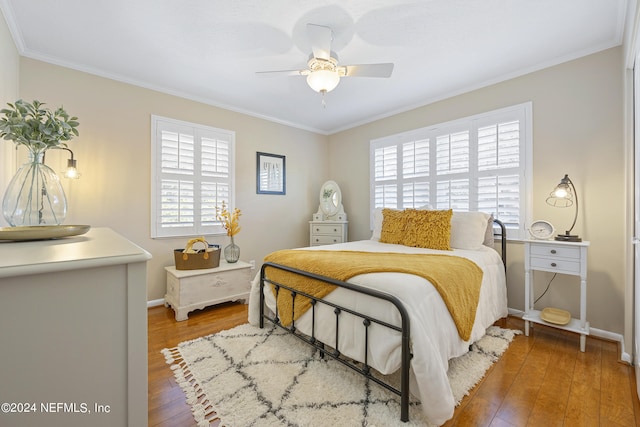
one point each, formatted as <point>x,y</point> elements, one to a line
<point>229,220</point>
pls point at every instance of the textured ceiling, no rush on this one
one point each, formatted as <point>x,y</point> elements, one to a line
<point>209,50</point>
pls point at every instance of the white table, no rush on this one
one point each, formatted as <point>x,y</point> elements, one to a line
<point>189,290</point>
<point>556,257</point>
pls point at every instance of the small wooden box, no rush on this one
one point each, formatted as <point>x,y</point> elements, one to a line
<point>189,290</point>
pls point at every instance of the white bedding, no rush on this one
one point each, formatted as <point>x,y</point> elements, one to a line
<point>434,337</point>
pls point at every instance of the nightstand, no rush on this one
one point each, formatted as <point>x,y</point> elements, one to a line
<point>556,257</point>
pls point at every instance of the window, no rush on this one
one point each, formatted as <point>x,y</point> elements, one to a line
<point>192,173</point>
<point>479,163</point>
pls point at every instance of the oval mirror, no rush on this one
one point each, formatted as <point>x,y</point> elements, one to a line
<point>330,198</point>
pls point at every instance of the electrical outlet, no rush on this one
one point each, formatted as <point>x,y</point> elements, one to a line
<point>252,263</point>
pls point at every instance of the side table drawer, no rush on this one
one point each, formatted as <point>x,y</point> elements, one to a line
<point>332,230</point>
<point>326,240</point>
<point>555,251</point>
<point>553,264</point>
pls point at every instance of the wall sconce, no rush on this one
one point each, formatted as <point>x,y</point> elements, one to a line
<point>563,197</point>
<point>71,172</point>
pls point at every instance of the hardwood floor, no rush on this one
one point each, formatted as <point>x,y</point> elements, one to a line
<point>167,405</point>
<point>542,380</point>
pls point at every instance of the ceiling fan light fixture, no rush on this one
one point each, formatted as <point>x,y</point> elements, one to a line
<point>323,80</point>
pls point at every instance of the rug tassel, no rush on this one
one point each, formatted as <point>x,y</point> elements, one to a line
<point>194,394</point>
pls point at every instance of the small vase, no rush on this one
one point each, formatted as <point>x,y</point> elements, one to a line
<point>35,195</point>
<point>232,252</point>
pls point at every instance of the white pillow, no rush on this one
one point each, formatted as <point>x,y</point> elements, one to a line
<point>468,229</point>
<point>489,239</point>
<point>377,224</point>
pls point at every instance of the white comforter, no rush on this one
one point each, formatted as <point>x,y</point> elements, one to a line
<point>434,337</point>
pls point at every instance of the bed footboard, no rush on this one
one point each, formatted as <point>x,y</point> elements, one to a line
<point>361,367</point>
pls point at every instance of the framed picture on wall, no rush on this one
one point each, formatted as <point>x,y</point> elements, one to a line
<point>270,174</point>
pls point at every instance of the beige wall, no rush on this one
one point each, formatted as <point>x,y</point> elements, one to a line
<point>577,129</point>
<point>577,112</point>
<point>113,153</point>
<point>9,67</point>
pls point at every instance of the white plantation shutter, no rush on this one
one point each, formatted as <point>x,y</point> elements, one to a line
<point>385,164</point>
<point>192,174</point>
<point>479,163</point>
<point>500,152</point>
<point>415,173</point>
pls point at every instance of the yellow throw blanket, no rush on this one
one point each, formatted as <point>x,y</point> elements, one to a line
<point>457,279</point>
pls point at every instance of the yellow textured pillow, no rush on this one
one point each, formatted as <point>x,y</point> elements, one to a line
<point>393,226</point>
<point>428,229</point>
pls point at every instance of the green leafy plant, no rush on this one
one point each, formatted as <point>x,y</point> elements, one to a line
<point>36,127</point>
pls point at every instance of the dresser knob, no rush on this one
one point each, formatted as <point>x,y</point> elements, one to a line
<point>335,230</point>
<point>553,251</point>
<point>317,229</point>
<point>553,264</point>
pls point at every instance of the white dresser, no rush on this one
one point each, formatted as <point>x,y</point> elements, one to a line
<point>73,331</point>
<point>189,290</point>
<point>327,232</point>
<point>329,224</point>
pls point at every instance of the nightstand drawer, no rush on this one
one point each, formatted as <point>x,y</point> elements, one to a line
<point>555,251</point>
<point>560,265</point>
<point>331,230</point>
<point>325,240</point>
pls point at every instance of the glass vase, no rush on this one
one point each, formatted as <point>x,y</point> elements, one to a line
<point>35,195</point>
<point>232,252</point>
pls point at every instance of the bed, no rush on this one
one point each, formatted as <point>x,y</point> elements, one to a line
<point>392,321</point>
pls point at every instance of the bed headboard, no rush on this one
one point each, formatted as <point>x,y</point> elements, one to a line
<point>502,233</point>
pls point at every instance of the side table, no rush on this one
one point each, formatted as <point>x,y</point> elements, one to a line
<point>189,290</point>
<point>556,257</point>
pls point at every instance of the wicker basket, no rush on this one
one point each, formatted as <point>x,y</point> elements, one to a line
<point>192,259</point>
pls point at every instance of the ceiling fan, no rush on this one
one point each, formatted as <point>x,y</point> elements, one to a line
<point>323,72</point>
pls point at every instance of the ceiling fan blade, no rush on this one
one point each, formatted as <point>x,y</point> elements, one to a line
<point>369,70</point>
<point>320,38</point>
<point>281,73</point>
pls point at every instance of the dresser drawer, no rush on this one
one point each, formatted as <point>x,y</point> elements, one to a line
<point>554,251</point>
<point>547,263</point>
<point>328,229</point>
<point>325,240</point>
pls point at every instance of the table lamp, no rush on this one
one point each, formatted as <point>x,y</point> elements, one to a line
<point>563,197</point>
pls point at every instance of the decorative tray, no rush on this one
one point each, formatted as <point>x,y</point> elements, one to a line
<point>42,232</point>
<point>555,316</point>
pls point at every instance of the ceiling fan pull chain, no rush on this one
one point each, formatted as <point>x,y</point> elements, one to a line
<point>324,103</point>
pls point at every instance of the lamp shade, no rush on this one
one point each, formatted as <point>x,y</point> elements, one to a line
<point>564,196</point>
<point>72,171</point>
<point>323,80</point>
<point>72,166</point>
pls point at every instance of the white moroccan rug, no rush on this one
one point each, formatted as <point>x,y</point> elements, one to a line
<point>243,378</point>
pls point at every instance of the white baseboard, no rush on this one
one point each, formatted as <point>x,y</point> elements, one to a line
<point>155,302</point>
<point>599,333</point>
<point>515,313</point>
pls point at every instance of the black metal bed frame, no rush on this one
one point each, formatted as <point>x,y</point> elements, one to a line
<point>363,367</point>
